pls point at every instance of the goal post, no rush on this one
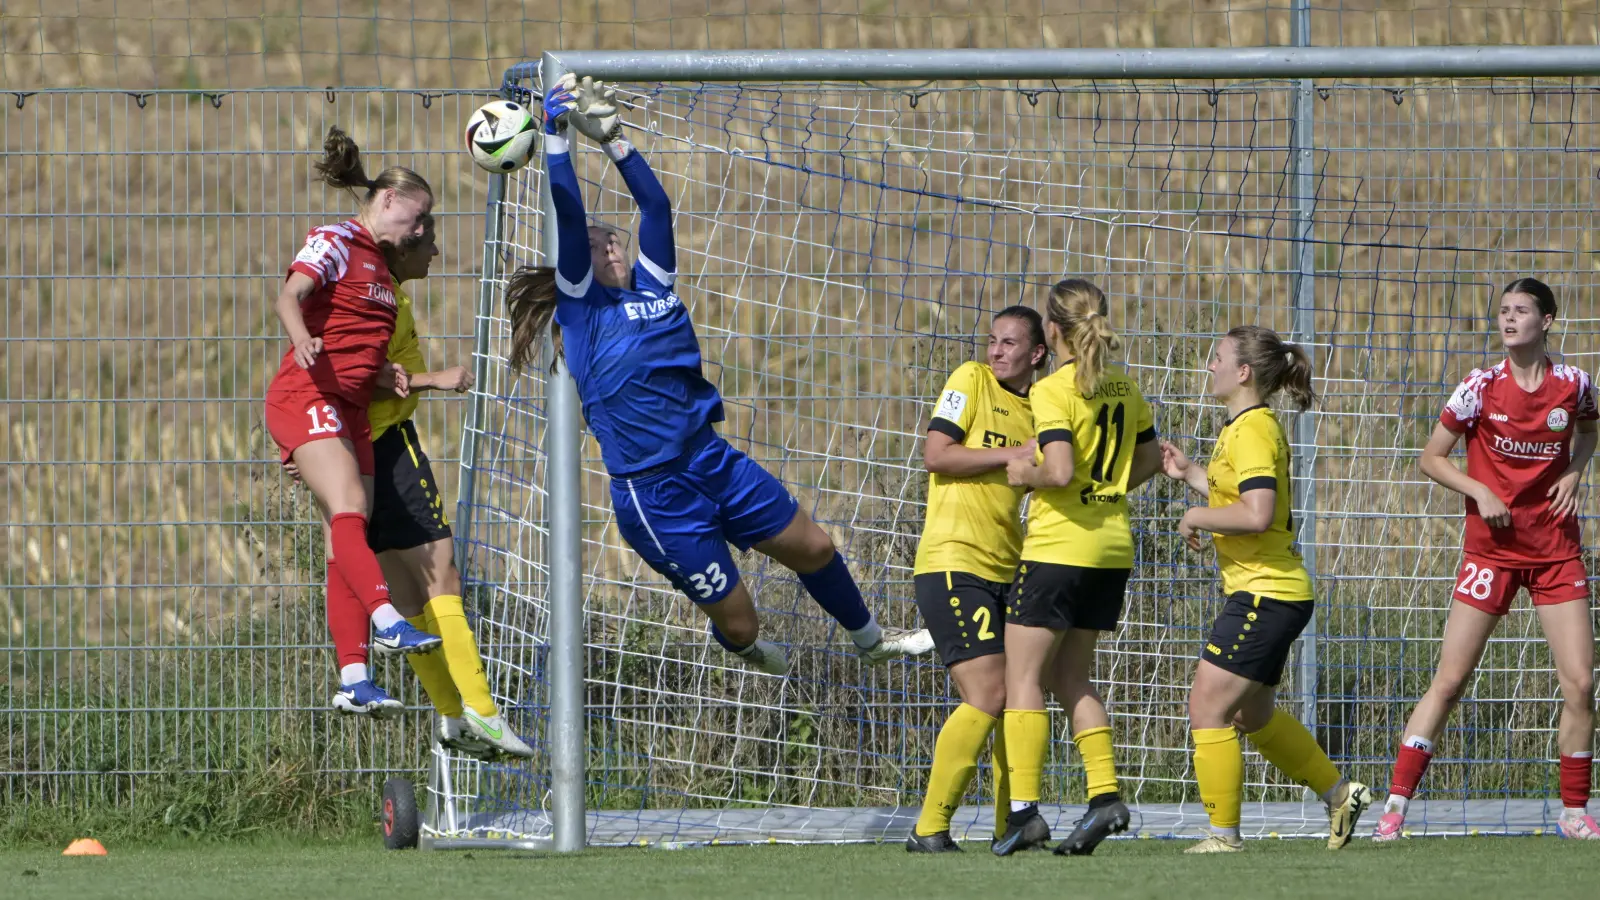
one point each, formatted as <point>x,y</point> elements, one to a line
<point>847,223</point>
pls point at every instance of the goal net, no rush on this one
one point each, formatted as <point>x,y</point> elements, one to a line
<point>842,248</point>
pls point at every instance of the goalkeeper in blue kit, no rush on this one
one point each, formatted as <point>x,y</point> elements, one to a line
<point>681,492</point>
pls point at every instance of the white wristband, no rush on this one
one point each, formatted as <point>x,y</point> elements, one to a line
<point>618,149</point>
<point>556,143</point>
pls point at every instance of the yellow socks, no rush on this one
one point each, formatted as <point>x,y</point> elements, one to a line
<point>1289,746</point>
<point>1219,770</point>
<point>1099,764</point>
<point>449,621</point>
<point>1002,779</point>
<point>1027,743</point>
<point>955,760</point>
<point>434,674</point>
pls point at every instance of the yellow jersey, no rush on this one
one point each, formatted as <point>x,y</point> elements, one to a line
<point>405,349</point>
<point>972,524</point>
<point>1086,523</point>
<point>1252,453</point>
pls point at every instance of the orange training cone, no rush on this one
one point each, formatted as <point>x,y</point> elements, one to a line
<point>84,847</point>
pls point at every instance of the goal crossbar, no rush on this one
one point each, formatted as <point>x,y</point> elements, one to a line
<point>983,65</point>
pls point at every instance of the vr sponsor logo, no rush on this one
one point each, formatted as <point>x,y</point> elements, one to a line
<point>652,309</point>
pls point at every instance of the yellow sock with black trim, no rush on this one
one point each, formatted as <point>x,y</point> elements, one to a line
<point>955,761</point>
<point>1219,770</point>
<point>1002,778</point>
<point>433,673</point>
<point>1027,743</point>
<point>460,653</point>
<point>1099,761</point>
<point>1289,746</point>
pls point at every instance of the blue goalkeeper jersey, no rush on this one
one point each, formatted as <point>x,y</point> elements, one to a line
<point>632,351</point>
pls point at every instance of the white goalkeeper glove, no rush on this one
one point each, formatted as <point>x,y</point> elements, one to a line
<point>596,112</point>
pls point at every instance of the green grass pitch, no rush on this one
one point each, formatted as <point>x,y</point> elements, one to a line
<point>1456,869</point>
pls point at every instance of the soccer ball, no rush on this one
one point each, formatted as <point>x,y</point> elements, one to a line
<point>500,136</point>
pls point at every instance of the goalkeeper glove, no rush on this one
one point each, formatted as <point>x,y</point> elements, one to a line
<point>595,112</point>
<point>558,105</point>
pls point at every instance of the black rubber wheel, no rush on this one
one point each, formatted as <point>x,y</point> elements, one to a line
<point>399,814</point>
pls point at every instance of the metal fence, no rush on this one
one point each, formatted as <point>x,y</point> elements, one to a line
<point>163,602</point>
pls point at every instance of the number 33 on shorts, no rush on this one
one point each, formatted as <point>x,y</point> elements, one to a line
<point>709,583</point>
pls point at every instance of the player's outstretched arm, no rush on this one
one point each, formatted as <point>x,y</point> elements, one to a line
<point>1435,463</point>
<point>574,271</point>
<point>657,248</point>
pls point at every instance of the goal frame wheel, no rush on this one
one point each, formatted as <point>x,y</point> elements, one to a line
<point>398,814</point>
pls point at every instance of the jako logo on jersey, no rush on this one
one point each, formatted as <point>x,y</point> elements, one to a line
<point>369,267</point>
<point>1499,417</point>
<point>1527,448</point>
<point>1557,420</point>
<point>653,309</point>
<point>377,293</point>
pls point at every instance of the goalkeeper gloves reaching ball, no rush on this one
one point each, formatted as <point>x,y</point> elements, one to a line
<point>590,106</point>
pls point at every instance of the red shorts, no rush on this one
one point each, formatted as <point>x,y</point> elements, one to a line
<point>1491,586</point>
<point>296,418</point>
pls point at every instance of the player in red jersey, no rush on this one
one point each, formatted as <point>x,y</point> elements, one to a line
<point>1530,431</point>
<point>338,306</point>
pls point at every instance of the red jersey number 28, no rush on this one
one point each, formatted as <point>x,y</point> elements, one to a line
<point>324,419</point>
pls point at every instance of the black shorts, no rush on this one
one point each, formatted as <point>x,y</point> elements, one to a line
<point>407,508</point>
<point>964,613</point>
<point>1058,597</point>
<point>1254,635</point>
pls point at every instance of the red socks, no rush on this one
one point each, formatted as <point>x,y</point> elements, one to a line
<point>347,620</point>
<point>1408,769</point>
<point>1575,780</point>
<point>357,563</point>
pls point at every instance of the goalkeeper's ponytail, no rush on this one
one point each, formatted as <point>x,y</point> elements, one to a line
<point>531,305</point>
<point>1078,311</point>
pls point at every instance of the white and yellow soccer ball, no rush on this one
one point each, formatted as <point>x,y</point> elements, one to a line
<point>500,136</point>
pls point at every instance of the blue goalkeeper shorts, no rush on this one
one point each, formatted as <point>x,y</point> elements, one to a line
<point>681,516</point>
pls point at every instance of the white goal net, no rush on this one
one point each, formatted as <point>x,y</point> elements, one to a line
<point>844,247</point>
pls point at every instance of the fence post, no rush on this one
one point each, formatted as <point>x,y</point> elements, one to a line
<point>563,484</point>
<point>1305,331</point>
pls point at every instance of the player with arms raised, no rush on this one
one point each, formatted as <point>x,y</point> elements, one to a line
<point>1269,591</point>
<point>680,491</point>
<point>1097,442</point>
<point>1530,430</point>
<point>337,305</point>
<point>968,555</point>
